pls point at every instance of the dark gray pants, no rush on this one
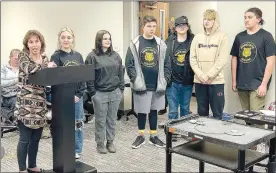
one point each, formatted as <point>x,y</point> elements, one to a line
<point>27,145</point>
<point>106,105</point>
<point>210,94</point>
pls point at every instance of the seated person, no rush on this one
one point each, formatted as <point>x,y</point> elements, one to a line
<point>9,80</point>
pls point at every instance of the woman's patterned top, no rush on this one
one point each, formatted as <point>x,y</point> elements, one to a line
<point>31,99</point>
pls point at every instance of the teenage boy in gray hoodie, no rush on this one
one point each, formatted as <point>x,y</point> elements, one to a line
<point>149,71</point>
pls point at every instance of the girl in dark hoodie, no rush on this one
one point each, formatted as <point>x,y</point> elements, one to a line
<point>106,90</point>
<point>66,56</point>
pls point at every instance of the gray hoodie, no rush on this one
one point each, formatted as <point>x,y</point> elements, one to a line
<point>134,71</point>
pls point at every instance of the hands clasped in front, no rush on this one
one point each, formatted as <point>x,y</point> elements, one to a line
<point>51,65</point>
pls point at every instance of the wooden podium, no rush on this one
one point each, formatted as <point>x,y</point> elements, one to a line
<point>62,81</point>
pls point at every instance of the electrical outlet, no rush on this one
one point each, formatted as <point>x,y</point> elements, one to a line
<point>116,48</point>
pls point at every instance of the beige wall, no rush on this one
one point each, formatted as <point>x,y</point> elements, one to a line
<point>120,18</point>
<point>85,18</point>
<point>126,24</point>
<point>131,23</point>
<point>232,24</point>
<point>193,10</point>
<point>131,29</point>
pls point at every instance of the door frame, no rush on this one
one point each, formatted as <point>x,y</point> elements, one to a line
<point>134,18</point>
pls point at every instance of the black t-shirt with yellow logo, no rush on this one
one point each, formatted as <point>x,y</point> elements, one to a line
<point>73,58</point>
<point>149,54</point>
<point>252,51</point>
<point>179,61</point>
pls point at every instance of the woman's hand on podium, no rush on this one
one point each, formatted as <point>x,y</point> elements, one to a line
<point>77,99</point>
<point>52,64</point>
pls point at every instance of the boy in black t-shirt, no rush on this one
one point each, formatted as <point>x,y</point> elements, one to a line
<point>253,61</point>
<point>179,91</point>
<point>149,71</point>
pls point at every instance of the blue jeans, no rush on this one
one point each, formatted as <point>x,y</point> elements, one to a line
<point>179,94</point>
<point>79,114</point>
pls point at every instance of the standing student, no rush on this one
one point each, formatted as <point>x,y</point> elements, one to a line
<point>208,56</point>
<point>171,35</point>
<point>106,90</point>
<point>31,101</point>
<point>253,60</point>
<point>179,91</point>
<point>149,71</point>
<point>67,56</point>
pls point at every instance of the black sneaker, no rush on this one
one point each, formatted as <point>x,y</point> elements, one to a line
<point>140,140</point>
<point>156,142</point>
<point>161,112</point>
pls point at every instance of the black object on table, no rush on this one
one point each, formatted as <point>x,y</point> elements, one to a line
<point>256,118</point>
<point>131,112</point>
<point>217,147</point>
<point>61,80</point>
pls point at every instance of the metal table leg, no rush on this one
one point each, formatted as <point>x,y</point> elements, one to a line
<point>251,169</point>
<point>201,167</point>
<point>272,158</point>
<point>241,161</point>
<point>168,152</point>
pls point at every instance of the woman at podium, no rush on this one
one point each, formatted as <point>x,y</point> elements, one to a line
<point>106,90</point>
<point>66,56</point>
<point>31,101</point>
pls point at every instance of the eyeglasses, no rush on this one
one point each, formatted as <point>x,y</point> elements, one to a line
<point>182,26</point>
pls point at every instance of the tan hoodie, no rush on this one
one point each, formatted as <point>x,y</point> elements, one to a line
<point>209,54</point>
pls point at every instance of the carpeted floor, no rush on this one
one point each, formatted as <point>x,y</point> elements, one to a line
<point>146,159</point>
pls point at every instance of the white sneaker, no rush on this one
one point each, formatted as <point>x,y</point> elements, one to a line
<point>77,156</point>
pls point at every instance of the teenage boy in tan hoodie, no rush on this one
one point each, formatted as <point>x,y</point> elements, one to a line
<point>208,56</point>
